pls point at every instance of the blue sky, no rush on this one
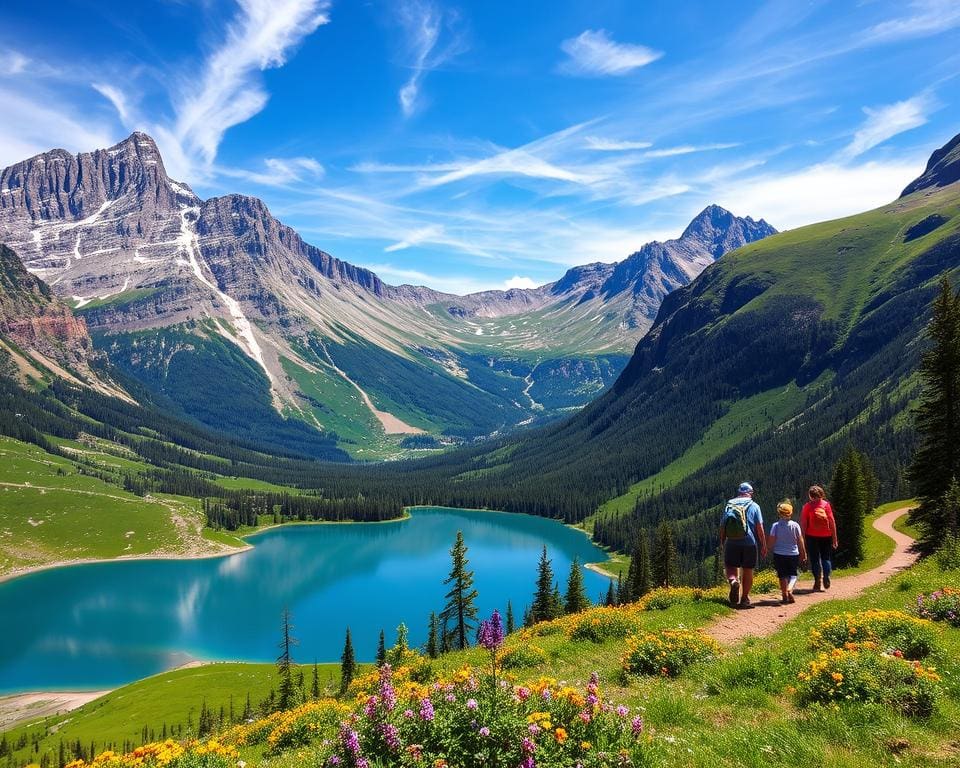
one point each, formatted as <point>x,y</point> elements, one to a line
<point>478,144</point>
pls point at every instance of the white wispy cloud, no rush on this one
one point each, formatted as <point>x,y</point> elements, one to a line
<point>600,144</point>
<point>230,90</point>
<point>885,122</point>
<point>13,63</point>
<point>279,171</point>
<point>429,233</point>
<point>593,53</point>
<point>117,98</point>
<point>923,18</point>
<point>424,24</point>
<point>686,149</point>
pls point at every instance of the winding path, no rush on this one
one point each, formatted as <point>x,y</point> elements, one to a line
<point>768,614</point>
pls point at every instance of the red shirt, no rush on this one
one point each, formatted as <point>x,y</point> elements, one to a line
<point>817,524</point>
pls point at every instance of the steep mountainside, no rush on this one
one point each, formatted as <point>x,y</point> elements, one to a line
<point>40,337</point>
<point>174,288</point>
<point>765,367</point>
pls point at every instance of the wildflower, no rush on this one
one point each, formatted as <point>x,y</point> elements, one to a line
<point>490,634</point>
<point>408,713</point>
<point>623,711</point>
<point>636,725</point>
<point>534,729</point>
<point>333,760</point>
<point>484,731</point>
<point>450,698</point>
<point>560,735</point>
<point>426,710</point>
<point>391,735</point>
<point>471,703</point>
<point>527,746</point>
<point>585,745</point>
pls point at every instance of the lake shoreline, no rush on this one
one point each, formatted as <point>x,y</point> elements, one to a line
<point>17,573</point>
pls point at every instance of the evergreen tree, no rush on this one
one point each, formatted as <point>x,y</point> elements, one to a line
<point>850,498</point>
<point>433,641</point>
<point>543,608</point>
<point>381,650</point>
<point>527,617</point>
<point>611,599</point>
<point>717,567</point>
<point>460,609</point>
<point>556,601</point>
<point>395,656</point>
<point>626,584</point>
<point>621,591</point>
<point>348,664</point>
<point>314,687</point>
<point>936,462</point>
<point>510,622</point>
<point>642,580</point>
<point>664,558</point>
<point>285,664</point>
<point>576,599</point>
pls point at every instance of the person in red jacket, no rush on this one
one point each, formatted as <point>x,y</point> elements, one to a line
<point>820,534</point>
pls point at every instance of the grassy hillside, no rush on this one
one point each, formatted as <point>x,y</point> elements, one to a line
<point>52,509</point>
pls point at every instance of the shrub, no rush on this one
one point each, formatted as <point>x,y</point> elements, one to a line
<point>603,624</point>
<point>667,653</point>
<point>948,556</point>
<point>867,676</point>
<point>664,597</point>
<point>298,727</point>
<point>942,605</point>
<point>895,630</point>
<point>523,656</point>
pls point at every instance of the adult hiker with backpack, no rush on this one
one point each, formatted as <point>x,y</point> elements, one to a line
<point>820,531</point>
<point>742,537</point>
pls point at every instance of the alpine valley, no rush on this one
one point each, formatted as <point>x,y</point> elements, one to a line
<point>217,312</point>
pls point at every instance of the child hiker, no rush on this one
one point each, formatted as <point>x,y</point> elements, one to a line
<point>788,550</point>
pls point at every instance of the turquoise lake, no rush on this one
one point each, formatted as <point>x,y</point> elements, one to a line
<point>101,625</point>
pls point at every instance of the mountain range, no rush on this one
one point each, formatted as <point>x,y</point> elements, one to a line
<point>182,294</point>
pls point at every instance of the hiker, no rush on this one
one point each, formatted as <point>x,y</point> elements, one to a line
<point>741,535</point>
<point>789,550</point>
<point>820,532</point>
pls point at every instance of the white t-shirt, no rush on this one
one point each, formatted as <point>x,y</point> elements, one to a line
<point>786,535</point>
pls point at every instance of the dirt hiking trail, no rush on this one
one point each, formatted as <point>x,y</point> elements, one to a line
<point>768,614</point>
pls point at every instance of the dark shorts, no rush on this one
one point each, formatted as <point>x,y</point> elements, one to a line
<point>786,565</point>
<point>739,555</point>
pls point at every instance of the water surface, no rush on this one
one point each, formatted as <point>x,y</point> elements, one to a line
<point>104,624</point>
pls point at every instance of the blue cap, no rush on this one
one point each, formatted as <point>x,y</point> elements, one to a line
<point>745,488</point>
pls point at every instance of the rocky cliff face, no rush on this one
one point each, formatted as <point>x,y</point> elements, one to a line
<point>943,168</point>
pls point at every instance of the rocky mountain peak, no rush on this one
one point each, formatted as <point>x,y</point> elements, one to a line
<point>719,231</point>
<point>943,168</point>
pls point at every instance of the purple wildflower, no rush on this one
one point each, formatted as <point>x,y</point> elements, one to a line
<point>623,711</point>
<point>527,746</point>
<point>534,729</point>
<point>636,725</point>
<point>350,740</point>
<point>387,694</point>
<point>426,710</point>
<point>391,735</point>
<point>362,762</point>
<point>450,698</point>
<point>333,760</point>
<point>490,634</point>
<point>484,731</point>
<point>408,713</point>
<point>471,703</point>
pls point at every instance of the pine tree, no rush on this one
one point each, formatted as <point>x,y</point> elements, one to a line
<point>665,556</point>
<point>556,601</point>
<point>510,622</point>
<point>611,599</point>
<point>576,599</point>
<point>642,581</point>
<point>621,590</point>
<point>285,664</point>
<point>936,462</point>
<point>381,650</point>
<point>396,654</point>
<point>461,607</point>
<point>433,641</point>
<point>543,605</point>
<point>348,663</point>
<point>314,687</point>
<point>717,567</point>
<point>527,617</point>
<point>850,498</point>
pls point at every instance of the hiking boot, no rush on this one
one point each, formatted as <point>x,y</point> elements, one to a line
<point>826,581</point>
<point>791,598</point>
<point>745,603</point>
<point>734,593</point>
<point>817,585</point>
